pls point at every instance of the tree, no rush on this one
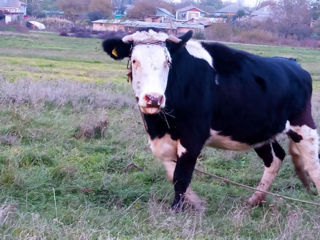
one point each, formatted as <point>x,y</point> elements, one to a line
<point>101,6</point>
<point>73,8</point>
<point>143,8</point>
<point>120,5</point>
<point>217,4</point>
<point>293,18</point>
<point>36,7</point>
<point>315,6</point>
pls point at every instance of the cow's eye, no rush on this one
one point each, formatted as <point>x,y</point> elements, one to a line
<point>134,61</point>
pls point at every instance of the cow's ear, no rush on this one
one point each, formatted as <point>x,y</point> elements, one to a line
<point>186,37</point>
<point>116,48</point>
<point>173,44</point>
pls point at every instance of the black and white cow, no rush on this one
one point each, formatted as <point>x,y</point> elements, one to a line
<point>192,94</point>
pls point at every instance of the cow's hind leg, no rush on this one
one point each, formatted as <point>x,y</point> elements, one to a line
<point>304,147</point>
<point>167,151</point>
<point>272,155</point>
<point>304,151</point>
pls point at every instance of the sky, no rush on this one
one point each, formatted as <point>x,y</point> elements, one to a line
<point>249,3</point>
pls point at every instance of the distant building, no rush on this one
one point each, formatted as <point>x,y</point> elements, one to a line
<point>262,14</point>
<point>162,15</point>
<point>131,26</point>
<point>13,10</point>
<point>229,11</point>
<point>188,13</point>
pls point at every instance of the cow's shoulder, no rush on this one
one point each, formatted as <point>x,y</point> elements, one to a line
<point>227,60</point>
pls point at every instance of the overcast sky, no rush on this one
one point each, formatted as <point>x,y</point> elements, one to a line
<point>249,3</point>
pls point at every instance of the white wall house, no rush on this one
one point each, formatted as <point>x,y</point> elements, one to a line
<point>188,13</point>
<point>13,10</point>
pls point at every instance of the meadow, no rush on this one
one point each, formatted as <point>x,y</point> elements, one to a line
<point>75,164</point>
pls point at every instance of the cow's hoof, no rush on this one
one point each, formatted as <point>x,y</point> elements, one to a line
<point>255,200</point>
<point>194,201</point>
<point>178,207</point>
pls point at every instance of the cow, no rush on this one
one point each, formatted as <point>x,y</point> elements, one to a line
<point>193,94</point>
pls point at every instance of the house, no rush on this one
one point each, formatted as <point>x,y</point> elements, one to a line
<point>13,10</point>
<point>176,28</point>
<point>188,13</point>
<point>230,11</point>
<point>162,15</point>
<point>262,14</point>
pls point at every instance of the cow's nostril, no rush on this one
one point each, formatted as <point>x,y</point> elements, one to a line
<point>153,100</point>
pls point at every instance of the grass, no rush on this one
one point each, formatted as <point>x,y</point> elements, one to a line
<point>54,185</point>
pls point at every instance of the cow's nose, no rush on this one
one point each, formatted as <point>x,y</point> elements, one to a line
<point>153,99</point>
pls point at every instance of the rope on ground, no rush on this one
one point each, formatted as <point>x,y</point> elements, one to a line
<point>255,189</point>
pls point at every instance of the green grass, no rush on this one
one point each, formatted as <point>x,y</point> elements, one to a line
<point>56,186</point>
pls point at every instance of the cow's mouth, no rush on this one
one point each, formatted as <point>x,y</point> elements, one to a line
<point>150,110</point>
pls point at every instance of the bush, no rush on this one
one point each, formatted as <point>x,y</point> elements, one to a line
<point>83,34</point>
<point>57,24</point>
<point>96,16</point>
<point>220,31</point>
<point>255,36</point>
<point>111,34</point>
<point>316,29</point>
<point>13,27</point>
<point>64,34</point>
<point>199,35</point>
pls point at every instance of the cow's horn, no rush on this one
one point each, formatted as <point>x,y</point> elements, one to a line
<point>174,39</point>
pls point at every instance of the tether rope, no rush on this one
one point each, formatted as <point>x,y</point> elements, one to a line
<point>255,189</point>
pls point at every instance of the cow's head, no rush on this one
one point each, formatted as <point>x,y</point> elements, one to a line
<point>149,54</point>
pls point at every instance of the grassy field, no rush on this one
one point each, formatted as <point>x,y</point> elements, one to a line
<point>74,161</point>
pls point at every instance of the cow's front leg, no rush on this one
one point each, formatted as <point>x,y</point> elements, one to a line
<point>167,150</point>
<point>182,175</point>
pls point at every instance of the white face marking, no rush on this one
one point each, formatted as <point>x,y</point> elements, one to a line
<point>150,61</point>
<point>150,69</point>
<point>225,142</point>
<point>196,50</point>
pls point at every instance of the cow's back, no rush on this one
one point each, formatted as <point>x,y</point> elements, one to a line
<point>255,96</point>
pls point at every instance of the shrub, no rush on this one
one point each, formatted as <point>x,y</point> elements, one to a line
<point>57,24</point>
<point>83,34</point>
<point>13,27</point>
<point>96,15</point>
<point>255,36</point>
<point>64,34</point>
<point>110,34</point>
<point>220,31</point>
<point>316,28</point>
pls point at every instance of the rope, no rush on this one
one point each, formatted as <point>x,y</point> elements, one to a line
<point>255,189</point>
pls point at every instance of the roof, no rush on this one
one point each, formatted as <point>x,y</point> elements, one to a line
<point>140,24</point>
<point>264,12</point>
<point>165,11</point>
<point>11,3</point>
<point>189,8</point>
<point>232,8</point>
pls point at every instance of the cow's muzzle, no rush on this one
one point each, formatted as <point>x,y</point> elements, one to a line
<point>152,103</point>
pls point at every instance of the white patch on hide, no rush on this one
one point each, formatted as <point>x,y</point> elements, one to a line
<point>196,50</point>
<point>268,176</point>
<point>181,149</point>
<point>225,142</point>
<point>307,151</point>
